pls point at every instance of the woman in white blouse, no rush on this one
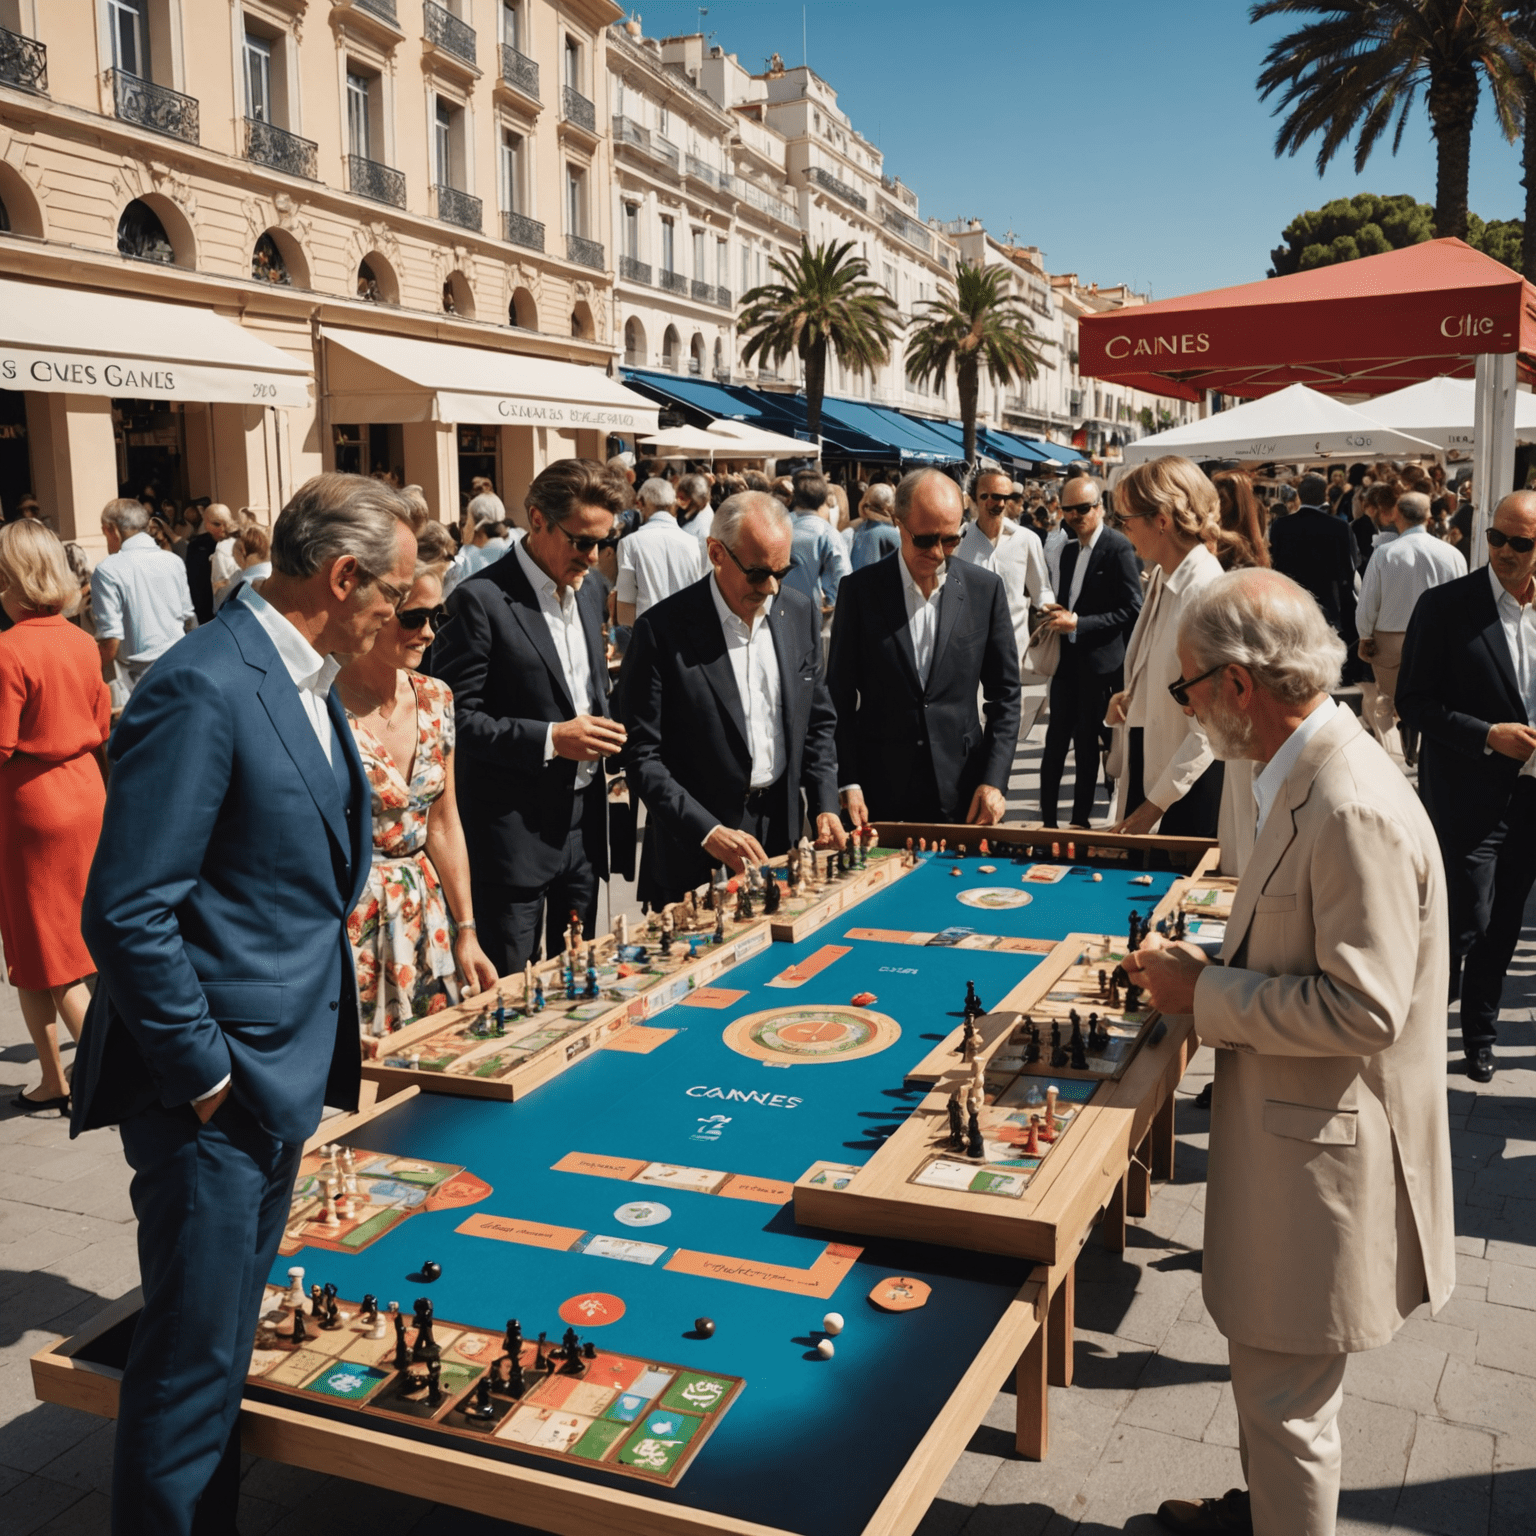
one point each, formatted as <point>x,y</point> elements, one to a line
<point>1172,515</point>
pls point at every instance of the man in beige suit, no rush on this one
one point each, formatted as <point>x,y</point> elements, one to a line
<point>1328,1203</point>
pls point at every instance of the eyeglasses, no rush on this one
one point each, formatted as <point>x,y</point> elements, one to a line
<point>1077,508</point>
<point>948,542</point>
<point>1497,539</point>
<point>1180,689</point>
<point>416,618</point>
<point>1013,497</point>
<point>755,574</point>
<point>992,496</point>
<point>585,546</point>
<point>396,595</point>
<point>1120,519</point>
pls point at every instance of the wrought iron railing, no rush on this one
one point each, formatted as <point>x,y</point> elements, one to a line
<point>909,229</point>
<point>584,252</point>
<point>267,144</point>
<point>519,229</point>
<point>703,292</point>
<point>442,27</point>
<point>839,188</point>
<point>23,62</point>
<point>518,70</point>
<point>635,270</point>
<point>382,183</point>
<point>383,9</point>
<point>665,149</point>
<point>575,108</point>
<point>673,282</point>
<point>155,107</point>
<point>456,207</point>
<point>766,202</point>
<point>705,172</point>
<point>723,297</point>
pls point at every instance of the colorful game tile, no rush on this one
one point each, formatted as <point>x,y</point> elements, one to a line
<point>696,1393</point>
<point>352,1383</point>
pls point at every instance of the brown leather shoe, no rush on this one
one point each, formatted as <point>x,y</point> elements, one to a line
<point>1226,1516</point>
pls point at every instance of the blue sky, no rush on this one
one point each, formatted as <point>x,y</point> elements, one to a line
<point>1124,137</point>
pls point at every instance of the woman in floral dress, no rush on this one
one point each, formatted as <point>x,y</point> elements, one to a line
<point>413,933</point>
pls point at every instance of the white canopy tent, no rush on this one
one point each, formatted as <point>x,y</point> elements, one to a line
<point>1443,411</point>
<point>749,442</point>
<point>1296,423</point>
<point>681,442</point>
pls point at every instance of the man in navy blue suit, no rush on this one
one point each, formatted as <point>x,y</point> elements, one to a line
<point>225,1014</point>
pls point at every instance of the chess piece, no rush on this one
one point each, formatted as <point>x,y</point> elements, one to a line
<point>1058,1052</point>
<point>975,1147</point>
<point>1079,1052</point>
<point>295,1296</point>
<point>911,855</point>
<point>589,1350</point>
<point>434,1383</point>
<point>968,1043</point>
<point>1032,1146</point>
<point>300,1332</point>
<point>1132,997</point>
<point>517,1383</point>
<point>972,1002</point>
<point>425,1346</point>
<point>540,1354</point>
<point>621,930</point>
<point>743,903</point>
<point>329,1216</point>
<point>568,1341</point>
<point>978,1083</point>
<point>538,996</point>
<point>719,925</point>
<point>1032,1050</point>
<point>482,1410</point>
<point>591,976</point>
<point>1133,934</point>
<point>368,1308</point>
<point>1103,984</point>
<point>772,895</point>
<point>570,981</point>
<point>1181,926</point>
<point>512,1343</point>
<point>956,1124</point>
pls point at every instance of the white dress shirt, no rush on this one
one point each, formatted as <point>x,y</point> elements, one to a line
<point>140,597</point>
<point>1519,624</point>
<point>699,525</point>
<point>656,560</point>
<point>1079,571</point>
<point>1018,558</point>
<point>1267,781</point>
<point>311,672</point>
<point>755,666</point>
<point>1055,542</point>
<point>558,606</point>
<point>922,616</point>
<point>1398,573</point>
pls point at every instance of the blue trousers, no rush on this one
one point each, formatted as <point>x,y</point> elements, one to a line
<point>211,1202</point>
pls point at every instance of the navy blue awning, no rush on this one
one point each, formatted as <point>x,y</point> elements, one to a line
<point>905,438</point>
<point>714,400</point>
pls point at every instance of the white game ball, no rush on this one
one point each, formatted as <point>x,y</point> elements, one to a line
<point>832,1323</point>
<point>1098,879</point>
<point>825,1349</point>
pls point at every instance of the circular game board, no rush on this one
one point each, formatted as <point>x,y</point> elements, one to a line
<point>995,898</point>
<point>807,1035</point>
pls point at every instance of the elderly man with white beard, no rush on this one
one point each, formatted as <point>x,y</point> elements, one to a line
<point>1328,1205</point>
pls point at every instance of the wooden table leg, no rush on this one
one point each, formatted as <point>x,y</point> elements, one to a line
<point>1060,1323</point>
<point>1163,1143</point>
<point>1032,1427</point>
<point>1112,1228</point>
<point>1138,1179</point>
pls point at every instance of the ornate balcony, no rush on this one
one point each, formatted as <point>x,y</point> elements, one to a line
<point>519,71</point>
<point>456,207</point>
<point>585,253</point>
<point>383,9</point>
<point>634,270</point>
<point>766,202</point>
<point>703,292</point>
<point>723,297</point>
<point>23,62</point>
<point>382,183</point>
<point>155,107</point>
<point>575,108</point>
<point>707,173</point>
<point>838,188</point>
<point>443,29</point>
<point>909,229</point>
<point>519,229</point>
<point>673,282</point>
<point>267,144</point>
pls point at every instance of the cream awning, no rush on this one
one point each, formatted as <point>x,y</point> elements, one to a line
<point>375,378</point>
<point>82,342</point>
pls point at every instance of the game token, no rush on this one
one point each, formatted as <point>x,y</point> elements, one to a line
<point>826,1349</point>
<point>704,1327</point>
<point>1098,879</point>
<point>900,1293</point>
<point>832,1323</point>
<point>431,1270</point>
<point>862,999</point>
<point>956,871</point>
<point>987,869</point>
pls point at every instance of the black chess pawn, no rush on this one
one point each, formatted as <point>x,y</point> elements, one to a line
<point>541,1355</point>
<point>1133,932</point>
<point>434,1383</point>
<point>772,895</point>
<point>332,1314</point>
<point>1181,926</point>
<point>591,980</point>
<point>1058,1051</point>
<point>568,1340</point>
<point>425,1347</point>
<point>517,1383</point>
<point>512,1344</point>
<point>1132,997</point>
<point>974,1145</point>
<point>719,925</point>
<point>1032,1050</point>
<point>1079,1052</point>
<point>402,1349</point>
<point>589,1350</point>
<point>482,1410</point>
<point>972,1002</point>
<point>1103,983</point>
<point>574,1364</point>
<point>956,1124</point>
<point>300,1332</point>
<point>369,1309</point>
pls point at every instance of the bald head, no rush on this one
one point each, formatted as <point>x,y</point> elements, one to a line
<point>928,491</point>
<point>1081,508</point>
<point>1514,517</point>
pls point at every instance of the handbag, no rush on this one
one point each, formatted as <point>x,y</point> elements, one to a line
<point>1043,653</point>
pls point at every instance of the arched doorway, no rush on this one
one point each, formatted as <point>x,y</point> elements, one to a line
<point>671,346</point>
<point>634,343</point>
<point>523,313</point>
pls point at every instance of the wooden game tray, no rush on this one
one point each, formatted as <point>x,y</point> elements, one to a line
<point>1189,854</point>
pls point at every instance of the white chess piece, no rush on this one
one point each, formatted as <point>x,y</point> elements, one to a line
<point>295,1297</point>
<point>330,1217</point>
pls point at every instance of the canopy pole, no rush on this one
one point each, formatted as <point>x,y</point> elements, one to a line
<point>1493,458</point>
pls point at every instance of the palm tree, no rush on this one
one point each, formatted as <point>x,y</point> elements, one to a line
<point>978,323</point>
<point>825,298</point>
<point>1360,64</point>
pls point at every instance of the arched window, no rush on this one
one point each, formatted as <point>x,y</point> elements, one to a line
<point>523,313</point>
<point>140,234</point>
<point>376,280</point>
<point>267,264</point>
<point>634,344</point>
<point>719,357</point>
<point>581,321</point>
<point>5,218</point>
<point>696,354</point>
<point>671,345</point>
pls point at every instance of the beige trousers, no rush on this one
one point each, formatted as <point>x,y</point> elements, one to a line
<point>1386,664</point>
<point>1288,1438</point>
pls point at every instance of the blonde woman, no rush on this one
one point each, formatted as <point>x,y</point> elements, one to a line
<point>54,715</point>
<point>1171,514</point>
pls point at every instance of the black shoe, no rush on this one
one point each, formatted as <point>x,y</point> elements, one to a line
<point>32,1106</point>
<point>1480,1064</point>
<point>1226,1516</point>
<point>1203,1098</point>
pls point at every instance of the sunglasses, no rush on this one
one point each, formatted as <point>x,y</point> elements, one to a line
<point>1180,689</point>
<point>1497,539</point>
<point>1076,508</point>
<point>584,546</point>
<point>755,574</point>
<point>948,542</point>
<point>416,618</point>
<point>992,496</point>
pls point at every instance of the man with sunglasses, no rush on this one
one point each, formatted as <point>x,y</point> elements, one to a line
<point>523,652</point>
<point>730,726</point>
<point>917,636</point>
<point>1101,579</point>
<point>1468,685</point>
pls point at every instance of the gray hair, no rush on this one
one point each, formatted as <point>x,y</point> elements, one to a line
<point>1265,622</point>
<point>735,510</point>
<point>658,494</point>
<point>691,487</point>
<point>881,497</point>
<point>910,485</point>
<point>1413,507</point>
<point>486,508</point>
<point>333,515</point>
<point>127,516</point>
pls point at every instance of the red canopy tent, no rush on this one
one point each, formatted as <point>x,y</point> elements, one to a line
<point>1362,328</point>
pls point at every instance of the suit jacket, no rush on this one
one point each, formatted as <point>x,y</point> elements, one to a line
<point>1106,607</point>
<point>1315,549</point>
<point>220,932</point>
<point>497,655</point>
<point>1456,681</point>
<point>1328,1198</point>
<point>892,729</point>
<point>688,756</point>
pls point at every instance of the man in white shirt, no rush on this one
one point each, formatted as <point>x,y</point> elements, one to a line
<point>1398,574</point>
<point>139,596</point>
<point>480,543</point>
<point>694,513</point>
<point>658,558</point>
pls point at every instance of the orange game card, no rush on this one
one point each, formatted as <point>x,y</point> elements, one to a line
<point>744,1186</point>
<point>512,1229</point>
<point>641,1039</point>
<point>711,997</point>
<point>813,965</point>
<point>599,1165</point>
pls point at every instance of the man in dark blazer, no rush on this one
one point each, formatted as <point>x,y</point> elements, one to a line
<point>916,635</point>
<point>1099,597</point>
<point>523,652</point>
<point>1467,686</point>
<point>1314,548</point>
<point>225,1015</point>
<point>729,721</point>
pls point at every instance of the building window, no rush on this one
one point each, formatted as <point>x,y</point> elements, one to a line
<point>512,26</point>
<point>258,78</point>
<point>511,171</point>
<point>575,201</point>
<point>746,267</point>
<point>573,65</point>
<point>699,271</point>
<point>448,157</point>
<point>267,264</point>
<point>360,91</point>
<point>140,234</point>
<point>130,36</point>
<point>663,122</point>
<point>668,245</point>
<point>722,264</point>
<point>632,230</point>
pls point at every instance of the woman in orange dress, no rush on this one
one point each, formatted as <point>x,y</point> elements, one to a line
<point>54,715</point>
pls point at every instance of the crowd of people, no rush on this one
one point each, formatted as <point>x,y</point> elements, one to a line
<point>409,754</point>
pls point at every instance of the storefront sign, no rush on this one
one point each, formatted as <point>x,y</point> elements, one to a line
<point>77,373</point>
